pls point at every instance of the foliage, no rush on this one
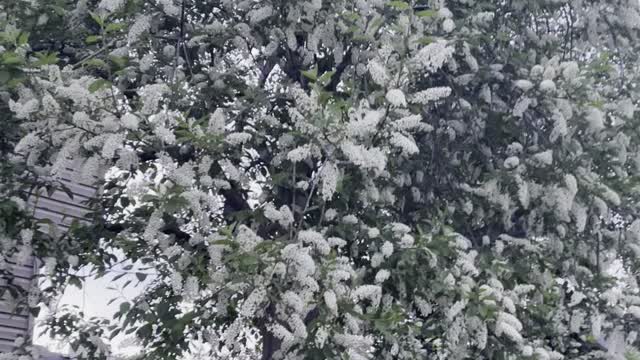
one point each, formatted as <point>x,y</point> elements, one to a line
<point>348,179</point>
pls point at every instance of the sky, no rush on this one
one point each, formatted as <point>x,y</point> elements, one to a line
<point>93,300</point>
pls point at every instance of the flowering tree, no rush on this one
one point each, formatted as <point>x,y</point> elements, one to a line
<point>346,179</point>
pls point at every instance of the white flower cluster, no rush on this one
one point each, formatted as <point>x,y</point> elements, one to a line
<point>404,143</point>
<point>151,96</point>
<point>252,303</point>
<point>433,56</point>
<point>258,15</point>
<point>329,177</point>
<point>283,216</point>
<point>169,7</point>
<point>191,289</point>
<point>378,73</point>
<point>370,159</point>
<point>373,293</point>
<point>300,153</point>
<point>110,5</point>
<point>299,258</point>
<point>510,326</point>
<point>316,239</point>
<point>396,98</point>
<point>217,122</point>
<point>430,95</point>
<point>237,138</point>
<point>247,239</point>
<point>361,126</point>
<point>139,27</point>
<point>24,110</point>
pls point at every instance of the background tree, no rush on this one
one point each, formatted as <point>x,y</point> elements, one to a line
<point>348,179</point>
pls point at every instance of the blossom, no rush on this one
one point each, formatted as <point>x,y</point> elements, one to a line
<point>431,94</point>
<point>237,138</point>
<point>378,73</point>
<point>570,71</point>
<point>141,25</point>
<point>169,7</point>
<point>321,337</point>
<point>250,306</point>
<point>217,122</point>
<point>544,157</point>
<point>110,5</point>
<point>363,126</point>
<point>595,120</point>
<point>448,25</point>
<point>350,219</point>
<point>331,302</point>
<point>26,235</point>
<point>146,62</point>
<point>396,98</point>
<point>511,162</point>
<point>524,85</point>
<point>247,239</point>
<point>24,110</point>
<point>547,86</point>
<point>387,249</point>
<point>509,331</point>
<point>191,288</point>
<point>559,126</point>
<point>521,106</point>
<point>405,143</point>
<point>433,56</point>
<point>300,153</point>
<point>373,159</point>
<point>129,121</point>
<point>50,265</point>
<point>330,214</point>
<point>455,309</point>
<point>382,276</point>
<point>329,177</point>
<point>260,14</point>
<point>315,238</point>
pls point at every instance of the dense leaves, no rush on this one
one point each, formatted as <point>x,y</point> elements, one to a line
<point>348,179</point>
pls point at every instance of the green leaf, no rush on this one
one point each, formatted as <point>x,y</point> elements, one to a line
<point>124,307</point>
<point>326,78</point>
<point>75,281</point>
<point>248,262</point>
<point>141,276</point>
<point>23,39</point>
<point>311,74</point>
<point>4,76</point>
<point>425,40</point>
<point>11,58</point>
<point>176,203</point>
<point>119,276</point>
<point>97,18</point>
<point>97,63</point>
<point>92,39</point>
<point>115,27</point>
<point>46,58</point>
<point>426,13</point>
<point>144,331</point>
<point>632,354</point>
<point>119,61</point>
<point>99,84</point>
<point>400,5</point>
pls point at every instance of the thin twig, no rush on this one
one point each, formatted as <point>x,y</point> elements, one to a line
<point>306,206</point>
<point>94,54</point>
